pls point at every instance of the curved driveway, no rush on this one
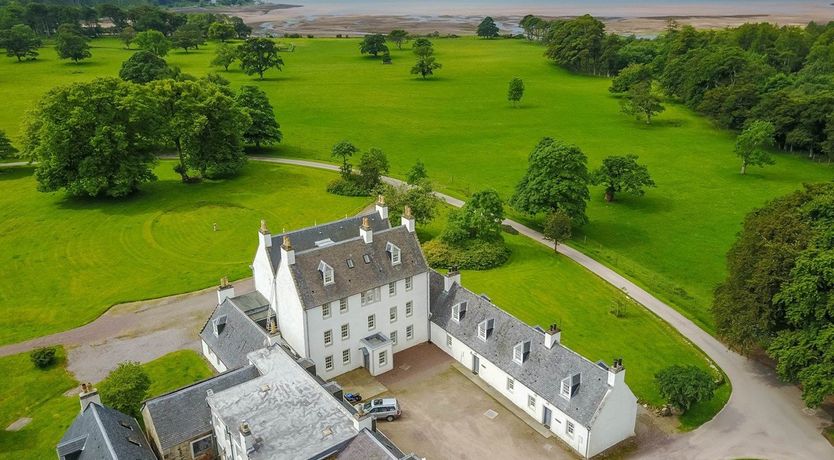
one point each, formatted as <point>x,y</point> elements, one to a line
<point>764,418</point>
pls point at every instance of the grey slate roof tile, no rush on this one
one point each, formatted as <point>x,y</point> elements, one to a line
<point>365,446</point>
<point>239,335</point>
<point>183,414</point>
<point>363,276</point>
<point>105,434</point>
<point>543,369</point>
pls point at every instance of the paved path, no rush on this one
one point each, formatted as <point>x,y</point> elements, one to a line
<point>763,419</point>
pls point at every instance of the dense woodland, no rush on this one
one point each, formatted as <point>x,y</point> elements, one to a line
<point>782,75</point>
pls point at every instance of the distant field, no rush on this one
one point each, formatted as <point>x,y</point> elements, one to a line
<point>65,261</point>
<point>39,395</point>
<point>671,241</point>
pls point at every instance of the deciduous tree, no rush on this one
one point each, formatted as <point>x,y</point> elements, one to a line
<point>641,102</point>
<point>683,386</point>
<point>487,28</point>
<point>622,174</point>
<point>373,44</point>
<point>751,145</point>
<point>7,150</point>
<point>125,388</point>
<point>257,55</point>
<point>556,178</point>
<point>417,173</point>
<point>479,219</point>
<point>153,41</point>
<point>515,91</point>
<point>143,67</point>
<point>373,164</point>
<point>343,151</point>
<point>188,36</point>
<point>221,31</point>
<point>224,56</point>
<point>426,62</point>
<point>398,37</point>
<point>21,42</point>
<point>73,46</point>
<point>263,129</point>
<point>630,76</point>
<point>127,35</point>
<point>557,228</point>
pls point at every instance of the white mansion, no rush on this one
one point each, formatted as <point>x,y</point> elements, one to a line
<point>352,293</point>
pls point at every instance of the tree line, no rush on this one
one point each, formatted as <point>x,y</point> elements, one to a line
<point>754,72</point>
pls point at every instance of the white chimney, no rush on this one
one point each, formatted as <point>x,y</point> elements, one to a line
<point>552,336</point>
<point>88,395</point>
<point>451,278</point>
<point>408,219</point>
<point>287,252</point>
<point>616,373</point>
<point>225,290</point>
<point>381,207</point>
<point>264,236</point>
<point>365,231</point>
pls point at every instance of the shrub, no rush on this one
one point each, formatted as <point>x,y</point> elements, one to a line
<point>347,187</point>
<point>683,386</point>
<point>125,388</point>
<point>475,255</point>
<point>43,357</point>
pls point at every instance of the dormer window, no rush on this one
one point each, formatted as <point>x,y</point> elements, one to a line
<point>326,273</point>
<point>394,252</point>
<point>458,310</point>
<point>570,386</point>
<point>485,329</point>
<point>219,324</point>
<point>521,351</point>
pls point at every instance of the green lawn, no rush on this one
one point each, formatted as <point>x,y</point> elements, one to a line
<point>67,260</point>
<point>541,288</point>
<point>39,395</point>
<point>671,241</point>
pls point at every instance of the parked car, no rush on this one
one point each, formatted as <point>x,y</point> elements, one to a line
<point>386,408</point>
<point>353,398</point>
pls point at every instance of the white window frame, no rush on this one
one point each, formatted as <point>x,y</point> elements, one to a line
<point>409,332</point>
<point>482,330</point>
<point>345,331</point>
<point>346,354</point>
<point>325,311</point>
<point>392,314</point>
<point>393,337</point>
<point>328,337</point>
<point>383,358</point>
<point>328,359</point>
<point>564,389</point>
<point>396,257</point>
<point>392,289</point>
<point>371,322</point>
<point>191,445</point>
<point>531,401</point>
<point>370,296</point>
<point>409,283</point>
<point>409,309</point>
<point>327,275</point>
<point>449,340</point>
<point>570,429</point>
<point>510,384</point>
<point>343,306</point>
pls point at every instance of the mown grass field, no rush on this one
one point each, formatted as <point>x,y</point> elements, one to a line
<point>65,261</point>
<point>39,395</point>
<point>671,241</point>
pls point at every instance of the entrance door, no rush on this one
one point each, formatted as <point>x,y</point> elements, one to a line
<point>366,359</point>
<point>476,364</point>
<point>547,417</point>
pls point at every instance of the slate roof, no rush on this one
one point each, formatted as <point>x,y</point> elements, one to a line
<point>365,446</point>
<point>544,368</point>
<point>105,434</point>
<point>239,335</point>
<point>337,231</point>
<point>183,414</point>
<point>363,276</point>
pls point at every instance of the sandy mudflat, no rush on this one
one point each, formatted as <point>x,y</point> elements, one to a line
<point>328,20</point>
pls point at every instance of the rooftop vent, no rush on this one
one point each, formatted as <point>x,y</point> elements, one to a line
<point>324,242</point>
<point>350,263</point>
<point>366,258</point>
<point>245,429</point>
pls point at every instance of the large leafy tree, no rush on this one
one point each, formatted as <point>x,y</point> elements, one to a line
<point>398,37</point>
<point>257,55</point>
<point>221,31</point>
<point>71,45</point>
<point>264,129</point>
<point>751,145</point>
<point>641,102</point>
<point>622,174</point>
<point>373,44</point>
<point>417,173</point>
<point>577,44</point>
<point>143,67</point>
<point>683,386</point>
<point>125,388</point>
<point>204,125</point>
<point>630,76</point>
<point>127,35</point>
<point>21,42</point>
<point>188,36</point>
<point>419,197</point>
<point>343,150</point>
<point>557,227</point>
<point>7,150</point>
<point>95,138</point>
<point>426,63</point>
<point>153,41</point>
<point>556,179</point>
<point>487,28</point>
<point>373,164</point>
<point>479,219</point>
<point>224,56</point>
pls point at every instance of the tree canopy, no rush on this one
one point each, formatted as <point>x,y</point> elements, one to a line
<point>257,55</point>
<point>343,150</point>
<point>143,67</point>
<point>751,145</point>
<point>487,28</point>
<point>515,91</point>
<point>398,37</point>
<point>21,42</point>
<point>221,31</point>
<point>622,174</point>
<point>224,56</point>
<point>7,150</point>
<point>556,179</point>
<point>264,129</point>
<point>417,173</point>
<point>154,41</point>
<point>188,36</point>
<point>479,219</point>
<point>426,62</point>
<point>641,102</point>
<point>73,46</point>
<point>683,386</point>
<point>557,227</point>
<point>125,388</point>
<point>373,164</point>
<point>373,44</point>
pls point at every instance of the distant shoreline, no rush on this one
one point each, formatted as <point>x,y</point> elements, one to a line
<point>322,21</point>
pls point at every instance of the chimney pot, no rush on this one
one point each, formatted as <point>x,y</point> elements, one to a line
<point>381,207</point>
<point>365,231</point>
<point>407,219</point>
<point>451,278</point>
<point>264,236</point>
<point>552,336</point>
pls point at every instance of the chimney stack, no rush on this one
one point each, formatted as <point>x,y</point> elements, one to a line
<point>451,278</point>
<point>616,373</point>
<point>88,395</point>
<point>552,336</point>
<point>264,235</point>
<point>381,207</point>
<point>287,252</point>
<point>408,219</point>
<point>225,290</point>
<point>365,231</point>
